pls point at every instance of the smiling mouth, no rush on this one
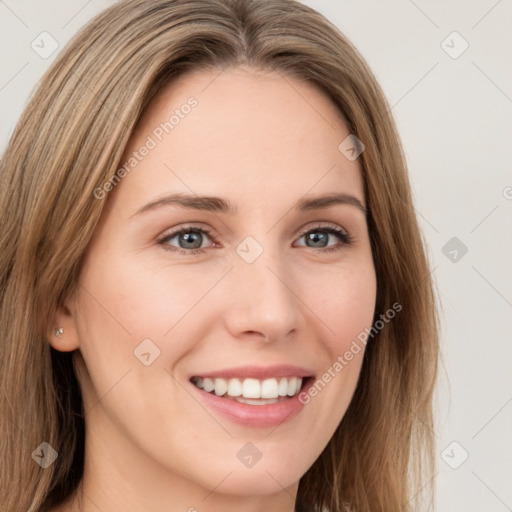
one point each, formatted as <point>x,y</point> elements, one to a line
<point>251,391</point>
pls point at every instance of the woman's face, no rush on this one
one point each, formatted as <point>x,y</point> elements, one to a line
<point>248,299</point>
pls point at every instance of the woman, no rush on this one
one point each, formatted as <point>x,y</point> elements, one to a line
<point>286,359</point>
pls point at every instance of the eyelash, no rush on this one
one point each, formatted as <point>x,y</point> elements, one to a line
<point>345,238</point>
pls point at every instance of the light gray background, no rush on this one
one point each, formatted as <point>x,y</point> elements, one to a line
<point>455,119</point>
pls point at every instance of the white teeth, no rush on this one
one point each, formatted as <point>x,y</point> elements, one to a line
<point>283,386</point>
<point>221,387</point>
<point>267,389</point>
<point>208,385</point>
<point>234,387</point>
<point>257,401</point>
<point>292,386</point>
<point>251,388</point>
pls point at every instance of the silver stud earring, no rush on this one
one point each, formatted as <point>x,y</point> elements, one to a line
<point>58,332</point>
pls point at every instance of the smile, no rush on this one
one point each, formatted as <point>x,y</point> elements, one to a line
<point>250,390</point>
<point>254,396</point>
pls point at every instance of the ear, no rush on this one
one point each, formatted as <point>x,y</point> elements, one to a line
<point>67,339</point>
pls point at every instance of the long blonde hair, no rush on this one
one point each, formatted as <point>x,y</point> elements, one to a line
<point>70,140</point>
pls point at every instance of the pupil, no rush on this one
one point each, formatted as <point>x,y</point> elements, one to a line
<point>189,238</point>
<point>314,237</point>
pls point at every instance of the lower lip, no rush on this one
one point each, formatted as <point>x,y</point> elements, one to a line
<point>247,415</point>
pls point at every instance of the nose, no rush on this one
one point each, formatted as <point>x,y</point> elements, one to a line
<point>263,305</point>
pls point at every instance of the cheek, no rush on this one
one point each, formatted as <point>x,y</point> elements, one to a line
<point>125,300</point>
<point>136,324</point>
<point>344,302</point>
<point>345,306</point>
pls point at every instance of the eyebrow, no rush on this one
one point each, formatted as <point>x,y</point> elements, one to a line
<point>220,205</point>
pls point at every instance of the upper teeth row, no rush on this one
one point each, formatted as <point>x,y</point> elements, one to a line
<point>251,388</point>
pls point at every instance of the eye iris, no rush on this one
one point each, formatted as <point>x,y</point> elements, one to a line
<point>315,237</point>
<point>191,237</point>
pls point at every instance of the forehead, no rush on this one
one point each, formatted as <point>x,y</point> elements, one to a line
<point>243,133</point>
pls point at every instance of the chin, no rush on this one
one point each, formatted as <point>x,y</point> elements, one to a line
<point>251,482</point>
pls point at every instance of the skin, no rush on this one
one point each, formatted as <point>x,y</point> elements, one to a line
<point>262,142</point>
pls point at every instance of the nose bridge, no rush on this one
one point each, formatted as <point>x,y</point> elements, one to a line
<point>263,299</point>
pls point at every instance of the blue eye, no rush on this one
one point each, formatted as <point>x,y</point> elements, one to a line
<point>191,239</point>
<point>312,235</point>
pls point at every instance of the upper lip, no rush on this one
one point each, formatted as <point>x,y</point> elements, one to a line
<point>257,372</point>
